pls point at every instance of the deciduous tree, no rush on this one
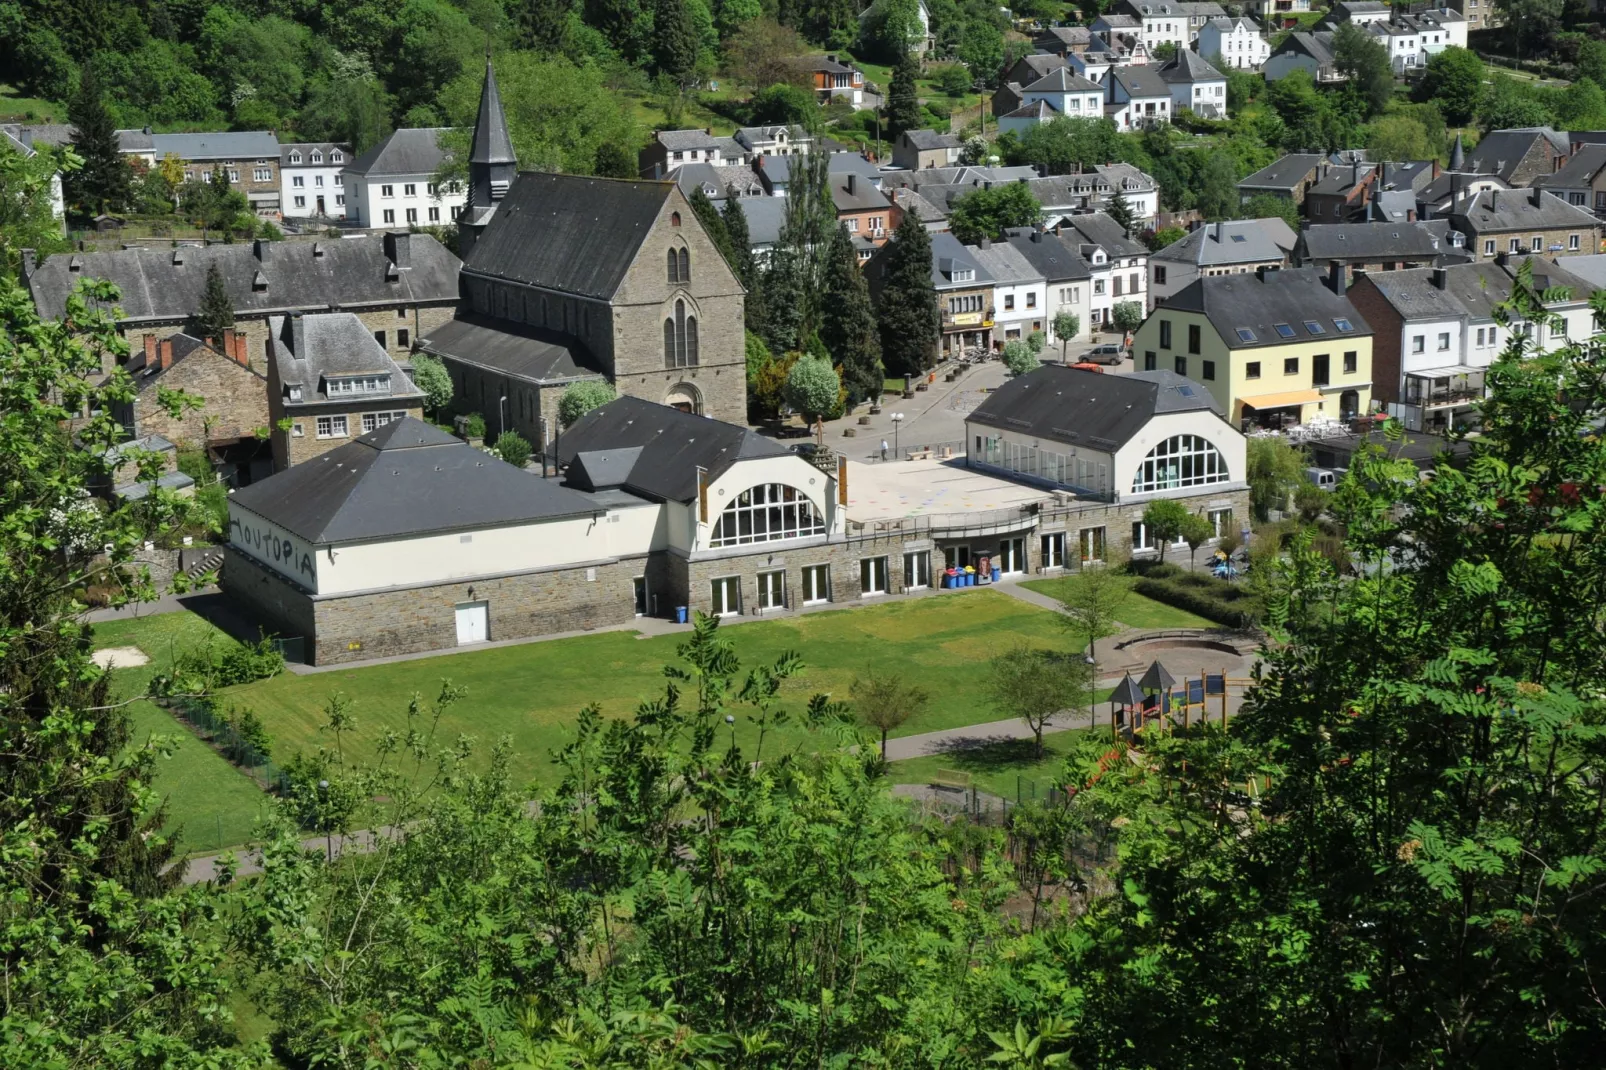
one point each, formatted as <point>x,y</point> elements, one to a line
<point>985,213</point>
<point>1453,81</point>
<point>580,398</point>
<point>1165,519</point>
<point>1034,685</point>
<point>884,700</point>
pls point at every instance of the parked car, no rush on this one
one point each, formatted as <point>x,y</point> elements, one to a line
<point>1105,354</point>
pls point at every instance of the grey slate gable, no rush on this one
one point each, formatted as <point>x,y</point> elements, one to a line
<point>309,276</point>
<point>1257,301</point>
<point>404,152</point>
<point>404,480</point>
<point>1048,255</point>
<point>673,445</point>
<point>569,233</point>
<point>1081,407</point>
<point>1377,241</point>
<point>310,350</point>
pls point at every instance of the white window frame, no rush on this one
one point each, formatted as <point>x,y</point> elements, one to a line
<point>872,570</point>
<point>719,592</point>
<point>816,582</point>
<point>332,427</point>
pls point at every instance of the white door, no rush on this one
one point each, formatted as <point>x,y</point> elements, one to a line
<point>725,596</point>
<point>772,590</point>
<point>472,622</point>
<point>816,584</point>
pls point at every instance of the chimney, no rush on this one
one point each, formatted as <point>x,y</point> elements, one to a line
<point>1263,271</point>
<point>30,261</point>
<point>853,183</point>
<point>1220,228</point>
<point>165,349</point>
<point>1538,196</point>
<point>259,249</point>
<point>399,249</point>
<point>1335,277</point>
<point>1501,258</point>
<point>239,350</point>
<point>985,243</point>
<point>150,351</point>
<point>1440,278</point>
<point>1494,200</point>
<point>298,335</point>
<point>227,346</point>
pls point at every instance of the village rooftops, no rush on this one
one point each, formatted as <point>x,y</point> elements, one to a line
<point>687,140</point>
<point>927,140</point>
<point>1235,241</point>
<point>1386,241</point>
<point>1063,80</point>
<point>240,145</point>
<point>1048,255</point>
<point>517,350</point>
<point>404,479</point>
<point>1495,211</point>
<point>1094,409</point>
<point>333,357</point>
<point>404,152</point>
<point>1283,175</point>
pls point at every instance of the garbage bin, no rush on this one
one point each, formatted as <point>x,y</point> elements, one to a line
<point>997,572</point>
<point>680,614</point>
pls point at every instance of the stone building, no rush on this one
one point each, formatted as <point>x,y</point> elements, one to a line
<point>1524,221</point>
<point>399,285</point>
<point>249,157</point>
<point>232,422</point>
<point>329,381</point>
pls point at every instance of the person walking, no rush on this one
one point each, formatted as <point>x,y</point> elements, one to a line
<point>883,449</point>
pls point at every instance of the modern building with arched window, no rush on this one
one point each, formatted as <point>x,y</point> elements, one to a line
<point>1121,439</point>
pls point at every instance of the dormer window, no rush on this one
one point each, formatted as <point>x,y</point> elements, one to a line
<point>317,157</point>
<point>360,384</point>
<point>295,393</point>
<point>295,157</point>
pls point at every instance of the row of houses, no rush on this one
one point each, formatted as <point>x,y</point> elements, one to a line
<point>1408,38</point>
<point>1042,87</point>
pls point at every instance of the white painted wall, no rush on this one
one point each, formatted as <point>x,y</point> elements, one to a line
<point>790,470</point>
<point>272,546</point>
<point>1205,424</point>
<point>332,189</point>
<point>367,203</point>
<point>1240,47</point>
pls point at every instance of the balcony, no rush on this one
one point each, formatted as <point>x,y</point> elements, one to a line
<point>1444,388</point>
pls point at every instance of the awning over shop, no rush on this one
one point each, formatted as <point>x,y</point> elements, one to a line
<point>1283,400</point>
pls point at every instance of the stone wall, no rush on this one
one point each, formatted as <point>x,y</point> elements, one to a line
<point>278,606</point>
<point>236,401</point>
<point>291,449</point>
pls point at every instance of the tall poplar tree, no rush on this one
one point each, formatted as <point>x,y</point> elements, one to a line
<point>742,263</point>
<point>907,310</point>
<point>903,99</point>
<point>104,183</point>
<point>674,42</point>
<point>847,322</point>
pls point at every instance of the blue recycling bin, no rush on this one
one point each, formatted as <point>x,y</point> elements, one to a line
<point>997,572</point>
<point>680,614</point>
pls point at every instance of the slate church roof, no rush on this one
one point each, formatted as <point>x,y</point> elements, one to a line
<point>673,445</point>
<point>569,233</point>
<point>403,480</point>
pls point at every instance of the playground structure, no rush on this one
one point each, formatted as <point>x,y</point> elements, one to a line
<point>1157,699</point>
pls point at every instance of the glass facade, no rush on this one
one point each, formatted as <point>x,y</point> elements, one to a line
<point>769,512</point>
<point>1180,461</point>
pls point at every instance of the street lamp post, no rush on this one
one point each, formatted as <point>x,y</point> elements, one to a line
<point>897,422</point>
<point>501,416</point>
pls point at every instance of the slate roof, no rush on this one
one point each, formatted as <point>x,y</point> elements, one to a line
<point>1063,80</point>
<point>1494,211</point>
<point>517,350</point>
<point>1087,408</point>
<point>1065,35</point>
<point>1038,64</point>
<point>912,201</point>
<point>53,134</point>
<point>403,480</point>
<point>926,140</point>
<point>1226,24</point>
<point>1040,110</point>
<point>1394,205</point>
<point>862,197</point>
<point>1317,44</point>
<point>1048,255</point>
<point>240,145</point>
<point>674,445</point>
<point>1186,8</point>
<point>1236,241</point>
<point>569,233</point>
<point>947,253</point>
<point>491,142</point>
<point>183,345</point>
<point>1580,169</point>
<point>716,179</point>
<point>349,272</point>
<point>1141,83</point>
<point>134,141</point>
<point>685,140</point>
<point>1501,151</point>
<point>306,149</point>
<point>842,163</point>
<point>1590,268</point>
<point>1285,174</point>
<point>310,350</point>
<point>1377,241</point>
<point>765,218</point>
<point>828,64</point>
<point>1256,302</point>
<point>1187,67</point>
<point>404,152</point>
<point>1004,264</point>
<point>959,175</point>
<point>1471,290</point>
<point>752,135</point>
<point>1097,228</point>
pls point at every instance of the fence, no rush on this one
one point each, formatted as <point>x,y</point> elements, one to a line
<point>201,714</point>
<point>951,449</point>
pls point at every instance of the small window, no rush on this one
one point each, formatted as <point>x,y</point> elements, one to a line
<point>1284,329</point>
<point>1246,335</point>
<point>1165,334</point>
<point>387,191</point>
<point>379,336</point>
<point>1350,362</point>
<point>1290,365</point>
<point>674,217</point>
<point>1193,338</point>
<point>1149,361</point>
<point>1419,343</point>
<point>1344,326</point>
<point>410,189</point>
<point>401,338</point>
<point>1572,242</point>
<point>1488,247</point>
<point>1181,365</point>
<point>1444,341</point>
<point>1537,244</point>
<point>1238,238</point>
<point>297,431</point>
<point>1314,328</point>
<point>390,215</point>
<point>1209,372</point>
<point>1252,370</point>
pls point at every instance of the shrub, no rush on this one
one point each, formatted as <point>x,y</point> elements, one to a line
<point>1018,357</point>
<point>202,669</point>
<point>513,448</point>
<point>580,398</point>
<point>474,425</point>
<point>1195,592</point>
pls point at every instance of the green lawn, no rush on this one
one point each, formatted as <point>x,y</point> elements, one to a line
<point>209,803</point>
<point>1002,769</point>
<point>16,108</point>
<point>532,692</point>
<point>1138,611</point>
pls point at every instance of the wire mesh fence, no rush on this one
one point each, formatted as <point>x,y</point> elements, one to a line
<point>216,728</point>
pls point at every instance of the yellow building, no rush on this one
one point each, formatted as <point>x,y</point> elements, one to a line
<point>1274,347</point>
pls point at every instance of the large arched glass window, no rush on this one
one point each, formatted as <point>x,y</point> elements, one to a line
<point>674,266</point>
<point>769,512</point>
<point>685,266</point>
<point>680,338</point>
<point>1180,461</point>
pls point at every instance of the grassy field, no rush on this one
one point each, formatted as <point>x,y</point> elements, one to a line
<point>15,108</point>
<point>1002,769</point>
<point>1137,611</point>
<point>209,802</point>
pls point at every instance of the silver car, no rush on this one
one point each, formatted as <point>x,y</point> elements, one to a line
<point>1106,354</point>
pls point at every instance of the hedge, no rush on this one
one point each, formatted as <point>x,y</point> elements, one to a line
<point>1227,604</point>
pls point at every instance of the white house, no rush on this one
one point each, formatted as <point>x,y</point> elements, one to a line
<point>1067,280</point>
<point>1139,97</point>
<point>393,183</point>
<point>1020,293</point>
<point>1118,263</point>
<point>1061,92</point>
<point>1176,22</point>
<point>311,178</point>
<point>1195,85</point>
<point>1238,43</point>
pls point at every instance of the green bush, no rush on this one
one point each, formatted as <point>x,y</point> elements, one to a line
<point>474,424</point>
<point>1196,592</point>
<point>513,448</point>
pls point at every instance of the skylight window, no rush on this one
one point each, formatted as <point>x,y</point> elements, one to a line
<point>1343,325</point>
<point>1246,335</point>
<point>1284,329</point>
<point>1314,328</point>
<point>1238,238</point>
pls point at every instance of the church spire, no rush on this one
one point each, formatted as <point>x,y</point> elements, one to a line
<point>1458,155</point>
<point>492,166</point>
<point>491,143</point>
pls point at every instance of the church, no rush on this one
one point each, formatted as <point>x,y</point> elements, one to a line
<point>567,278</point>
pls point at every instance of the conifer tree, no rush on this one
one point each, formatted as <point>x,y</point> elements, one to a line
<point>907,310</point>
<point>104,183</point>
<point>1118,209</point>
<point>847,322</point>
<point>217,309</point>
<point>903,101</point>
<point>713,224</point>
<point>741,262</point>
<point>674,42</point>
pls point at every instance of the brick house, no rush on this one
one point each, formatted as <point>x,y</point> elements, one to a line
<point>250,157</point>
<point>330,381</point>
<point>399,285</point>
<point>1581,181</point>
<point>830,79</point>
<point>232,422</point>
<point>1519,155</point>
